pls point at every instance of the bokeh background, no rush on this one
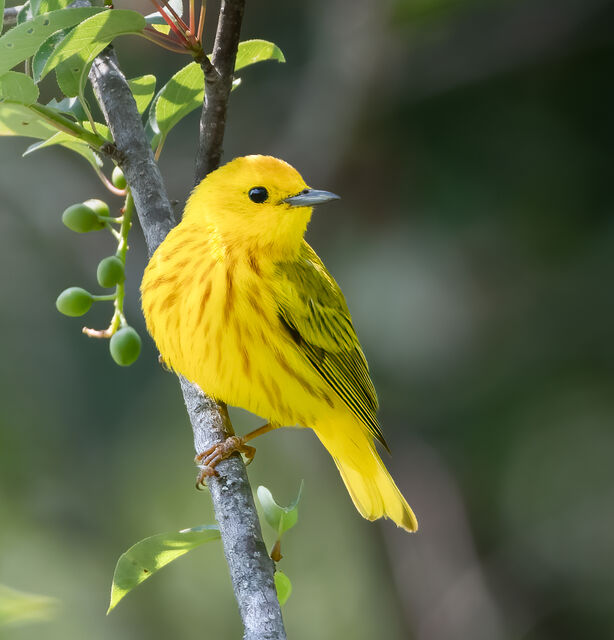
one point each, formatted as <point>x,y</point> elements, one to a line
<point>472,144</point>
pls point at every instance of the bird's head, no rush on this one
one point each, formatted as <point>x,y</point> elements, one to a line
<point>258,203</point>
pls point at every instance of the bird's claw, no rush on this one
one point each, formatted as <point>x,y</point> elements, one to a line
<point>211,457</point>
<point>163,364</point>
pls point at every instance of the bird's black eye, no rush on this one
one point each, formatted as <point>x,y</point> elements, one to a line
<point>258,195</point>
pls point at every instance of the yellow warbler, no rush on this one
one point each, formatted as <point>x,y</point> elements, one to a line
<point>239,303</point>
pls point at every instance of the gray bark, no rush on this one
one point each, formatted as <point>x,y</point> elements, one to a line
<point>250,567</point>
<point>218,83</point>
<point>10,16</point>
<point>132,150</point>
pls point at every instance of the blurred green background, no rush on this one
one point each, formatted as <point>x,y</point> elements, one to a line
<point>472,143</point>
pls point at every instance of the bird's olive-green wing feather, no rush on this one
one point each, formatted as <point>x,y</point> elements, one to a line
<point>313,311</point>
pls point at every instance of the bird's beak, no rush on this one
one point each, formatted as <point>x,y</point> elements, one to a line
<point>309,197</point>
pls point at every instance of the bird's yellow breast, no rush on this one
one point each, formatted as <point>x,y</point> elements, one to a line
<point>213,315</point>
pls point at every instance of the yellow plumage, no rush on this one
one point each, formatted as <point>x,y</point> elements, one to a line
<point>240,304</point>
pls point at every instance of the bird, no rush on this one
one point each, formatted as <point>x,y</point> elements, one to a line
<point>239,303</point>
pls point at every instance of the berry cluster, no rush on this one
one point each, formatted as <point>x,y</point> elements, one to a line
<point>94,215</point>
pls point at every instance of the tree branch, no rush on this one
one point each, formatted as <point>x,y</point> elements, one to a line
<point>218,84</point>
<point>133,152</point>
<point>10,16</point>
<point>251,568</point>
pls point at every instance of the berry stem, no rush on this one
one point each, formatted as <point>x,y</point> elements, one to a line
<point>119,318</point>
<point>116,234</point>
<point>109,185</point>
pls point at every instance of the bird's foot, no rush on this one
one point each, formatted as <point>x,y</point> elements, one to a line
<point>211,457</point>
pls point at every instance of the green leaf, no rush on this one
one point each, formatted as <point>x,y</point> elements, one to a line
<point>147,556</point>
<point>18,87</point>
<point>253,51</point>
<point>70,75</point>
<point>91,36</point>
<point>283,586</point>
<point>22,41</point>
<point>155,19</point>
<point>69,106</point>
<point>101,129</point>
<point>279,518</point>
<point>1,15</point>
<point>46,49</point>
<point>18,120</point>
<point>68,142</point>
<point>33,121</point>
<point>49,5</point>
<point>143,89</point>
<point>19,607</point>
<point>24,13</point>
<point>184,92</point>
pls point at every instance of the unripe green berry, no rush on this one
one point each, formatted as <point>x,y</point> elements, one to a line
<point>125,346</point>
<point>74,301</point>
<point>118,179</point>
<point>110,271</point>
<point>81,218</point>
<point>99,207</point>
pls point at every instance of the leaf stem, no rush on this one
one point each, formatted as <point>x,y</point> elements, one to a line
<point>68,126</point>
<point>178,20</point>
<point>192,20</point>
<point>162,41</point>
<point>170,22</point>
<point>159,148</point>
<point>201,21</point>
<point>86,107</point>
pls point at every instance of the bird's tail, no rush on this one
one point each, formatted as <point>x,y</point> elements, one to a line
<point>368,482</point>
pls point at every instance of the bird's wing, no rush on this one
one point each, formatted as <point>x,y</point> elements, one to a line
<point>313,310</point>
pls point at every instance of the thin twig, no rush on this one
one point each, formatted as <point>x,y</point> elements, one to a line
<point>251,569</point>
<point>218,83</point>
